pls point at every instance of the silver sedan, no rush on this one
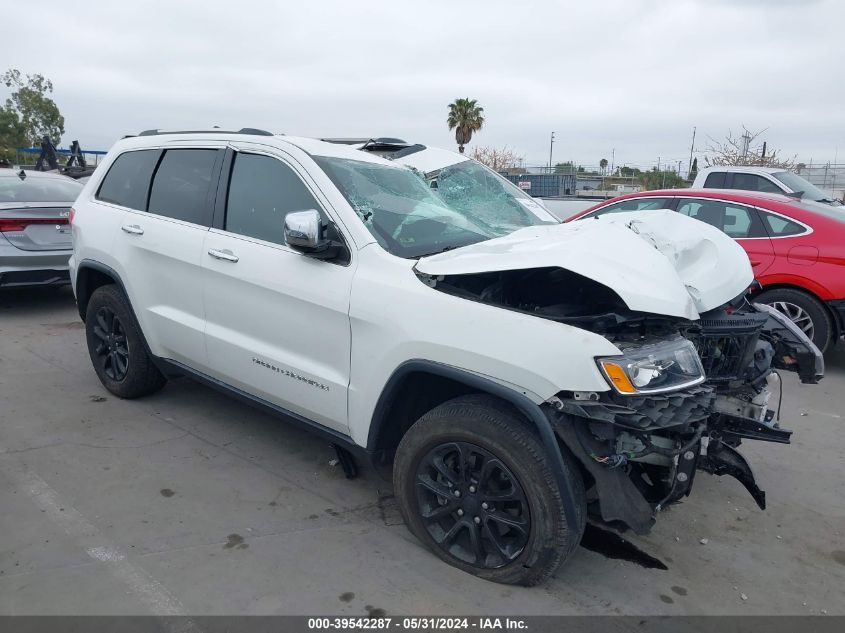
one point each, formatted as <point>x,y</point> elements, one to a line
<point>35,240</point>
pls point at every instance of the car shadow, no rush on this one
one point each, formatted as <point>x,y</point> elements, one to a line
<point>40,301</point>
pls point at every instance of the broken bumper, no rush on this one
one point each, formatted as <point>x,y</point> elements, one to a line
<point>643,455</point>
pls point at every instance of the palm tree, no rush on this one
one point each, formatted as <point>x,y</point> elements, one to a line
<point>603,164</point>
<point>465,117</point>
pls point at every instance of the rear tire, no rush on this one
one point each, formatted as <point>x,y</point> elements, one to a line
<point>501,516</point>
<point>116,346</point>
<point>807,312</point>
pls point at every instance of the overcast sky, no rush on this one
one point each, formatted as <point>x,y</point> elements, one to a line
<point>634,75</point>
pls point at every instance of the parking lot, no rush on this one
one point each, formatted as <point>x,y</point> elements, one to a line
<point>190,502</point>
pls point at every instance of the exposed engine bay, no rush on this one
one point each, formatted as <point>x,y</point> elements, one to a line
<point>673,414</point>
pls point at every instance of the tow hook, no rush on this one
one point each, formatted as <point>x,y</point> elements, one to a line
<point>684,467</point>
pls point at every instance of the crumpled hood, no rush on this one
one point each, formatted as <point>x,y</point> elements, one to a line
<point>658,261</point>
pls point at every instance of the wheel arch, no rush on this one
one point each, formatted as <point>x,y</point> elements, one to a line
<point>90,276</point>
<point>393,414</point>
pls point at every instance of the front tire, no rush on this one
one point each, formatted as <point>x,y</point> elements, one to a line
<point>116,346</point>
<point>803,309</point>
<point>473,483</point>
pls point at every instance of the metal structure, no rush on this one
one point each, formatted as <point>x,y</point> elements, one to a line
<point>545,185</point>
<point>48,158</point>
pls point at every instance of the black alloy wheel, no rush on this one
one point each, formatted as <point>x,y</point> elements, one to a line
<point>113,347</point>
<point>472,505</point>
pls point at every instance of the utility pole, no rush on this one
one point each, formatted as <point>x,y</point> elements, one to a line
<point>551,145</point>
<point>746,143</point>
<point>612,158</point>
<point>691,146</point>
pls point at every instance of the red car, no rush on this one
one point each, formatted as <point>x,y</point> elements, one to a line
<point>797,249</point>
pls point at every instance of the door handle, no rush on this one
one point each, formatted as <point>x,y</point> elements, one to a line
<point>132,229</point>
<point>225,255</point>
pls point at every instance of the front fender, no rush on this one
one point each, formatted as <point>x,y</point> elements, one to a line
<point>396,318</point>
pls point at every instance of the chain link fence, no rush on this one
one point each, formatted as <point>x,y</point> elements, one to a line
<point>827,176</point>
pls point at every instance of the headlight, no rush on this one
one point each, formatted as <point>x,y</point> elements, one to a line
<point>665,366</point>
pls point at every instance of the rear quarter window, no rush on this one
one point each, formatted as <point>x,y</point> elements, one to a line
<point>779,226</point>
<point>128,180</point>
<point>715,180</point>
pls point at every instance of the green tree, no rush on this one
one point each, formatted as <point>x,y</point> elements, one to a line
<point>11,133</point>
<point>465,117</point>
<point>603,164</point>
<point>38,115</point>
<point>693,172</point>
<point>663,179</point>
<point>568,167</point>
<point>627,172</point>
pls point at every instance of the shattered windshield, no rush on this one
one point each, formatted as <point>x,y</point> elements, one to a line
<point>410,217</point>
<point>475,191</point>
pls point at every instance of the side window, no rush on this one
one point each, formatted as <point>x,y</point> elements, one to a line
<point>753,182</point>
<point>128,179</point>
<point>736,220</point>
<point>779,226</point>
<point>262,191</point>
<point>180,186</point>
<point>715,180</point>
<point>631,204</point>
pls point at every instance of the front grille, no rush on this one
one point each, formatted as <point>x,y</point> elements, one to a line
<point>726,343</point>
<point>664,410</point>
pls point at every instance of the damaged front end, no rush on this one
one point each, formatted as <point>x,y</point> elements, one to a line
<point>643,450</point>
<point>685,392</point>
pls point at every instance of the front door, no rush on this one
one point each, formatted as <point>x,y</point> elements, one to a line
<point>277,321</point>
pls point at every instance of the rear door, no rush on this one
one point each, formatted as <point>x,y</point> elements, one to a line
<point>161,250</point>
<point>277,320</point>
<point>739,221</point>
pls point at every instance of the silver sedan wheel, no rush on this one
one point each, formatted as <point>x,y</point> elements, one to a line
<point>797,315</point>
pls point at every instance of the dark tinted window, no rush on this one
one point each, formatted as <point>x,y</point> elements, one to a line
<point>753,182</point>
<point>128,180</point>
<point>736,220</point>
<point>779,226</point>
<point>262,191</point>
<point>38,189</point>
<point>715,180</point>
<point>631,204</point>
<point>180,186</point>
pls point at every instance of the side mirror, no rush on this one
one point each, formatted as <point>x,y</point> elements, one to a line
<point>304,230</point>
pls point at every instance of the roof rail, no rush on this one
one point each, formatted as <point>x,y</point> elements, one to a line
<point>244,130</point>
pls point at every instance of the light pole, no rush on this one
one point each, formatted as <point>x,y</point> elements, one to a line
<point>691,146</point>
<point>551,145</point>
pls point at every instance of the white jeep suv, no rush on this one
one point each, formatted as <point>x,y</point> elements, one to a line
<point>417,309</point>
